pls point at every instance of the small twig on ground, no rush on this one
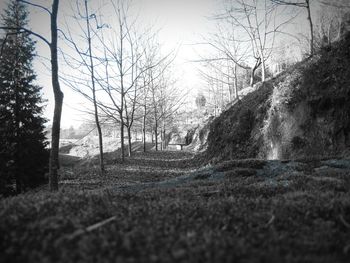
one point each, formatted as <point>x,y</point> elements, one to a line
<point>270,221</point>
<point>342,219</point>
<point>90,228</point>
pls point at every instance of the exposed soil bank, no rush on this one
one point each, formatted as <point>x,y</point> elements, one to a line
<point>304,111</point>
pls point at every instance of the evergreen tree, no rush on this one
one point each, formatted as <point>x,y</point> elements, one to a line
<point>23,157</point>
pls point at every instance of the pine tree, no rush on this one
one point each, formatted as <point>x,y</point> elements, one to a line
<point>23,157</point>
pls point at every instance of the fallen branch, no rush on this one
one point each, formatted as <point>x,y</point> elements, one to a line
<point>342,219</point>
<point>90,228</point>
<point>270,221</point>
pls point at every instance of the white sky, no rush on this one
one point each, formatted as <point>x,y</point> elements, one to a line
<point>182,23</point>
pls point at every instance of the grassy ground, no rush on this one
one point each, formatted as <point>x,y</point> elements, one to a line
<point>164,209</point>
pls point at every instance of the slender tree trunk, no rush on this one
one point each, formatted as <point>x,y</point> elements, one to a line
<point>230,89</point>
<point>97,122</point>
<point>156,134</point>
<point>144,130</point>
<point>340,27</point>
<point>311,27</point>
<point>263,65</point>
<point>252,74</point>
<point>121,71</point>
<point>263,69</point>
<point>164,138</point>
<point>329,34</point>
<point>161,138</point>
<point>129,141</point>
<point>122,146</point>
<point>235,85</point>
<point>58,95</point>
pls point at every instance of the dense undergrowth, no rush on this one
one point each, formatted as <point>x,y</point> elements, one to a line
<point>304,111</point>
<point>233,211</point>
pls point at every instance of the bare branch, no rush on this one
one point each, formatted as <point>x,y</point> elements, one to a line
<point>36,5</point>
<point>21,30</point>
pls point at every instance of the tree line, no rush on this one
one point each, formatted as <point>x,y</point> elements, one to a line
<point>126,82</point>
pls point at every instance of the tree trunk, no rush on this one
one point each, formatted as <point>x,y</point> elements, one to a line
<point>235,85</point>
<point>263,69</point>
<point>121,92</point>
<point>97,122</point>
<point>164,138</point>
<point>144,131</point>
<point>58,95</point>
<point>311,27</point>
<point>252,74</point>
<point>230,89</point>
<point>161,138</point>
<point>156,134</point>
<point>122,138</point>
<point>230,86</point>
<point>129,141</point>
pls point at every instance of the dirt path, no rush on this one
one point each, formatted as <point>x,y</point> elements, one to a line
<point>171,169</point>
<point>142,168</point>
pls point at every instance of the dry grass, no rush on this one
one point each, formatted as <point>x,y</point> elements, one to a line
<point>279,213</point>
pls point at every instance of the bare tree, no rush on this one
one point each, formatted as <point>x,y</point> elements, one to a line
<point>58,94</point>
<point>100,142</point>
<point>124,56</point>
<point>332,22</point>
<point>245,36</point>
<point>257,19</point>
<point>122,53</point>
<point>302,4</point>
<point>150,60</point>
<point>144,102</point>
<point>229,55</point>
<point>217,96</point>
<point>115,73</point>
<point>86,65</point>
<point>166,99</point>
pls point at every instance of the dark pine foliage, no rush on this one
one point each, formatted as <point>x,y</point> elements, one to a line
<point>23,157</point>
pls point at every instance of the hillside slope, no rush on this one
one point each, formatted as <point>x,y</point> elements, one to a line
<point>303,112</point>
